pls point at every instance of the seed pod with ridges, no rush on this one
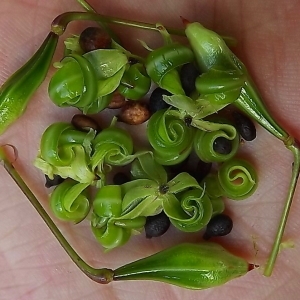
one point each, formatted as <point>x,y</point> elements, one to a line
<point>193,266</point>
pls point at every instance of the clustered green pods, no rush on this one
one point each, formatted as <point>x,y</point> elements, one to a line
<point>87,81</point>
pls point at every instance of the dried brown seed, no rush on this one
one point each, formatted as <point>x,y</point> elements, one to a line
<point>117,101</point>
<point>134,113</point>
<point>84,123</point>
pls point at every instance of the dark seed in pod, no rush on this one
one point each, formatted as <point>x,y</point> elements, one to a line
<point>120,178</point>
<point>188,74</point>
<point>156,225</point>
<point>117,101</point>
<point>134,113</point>
<point>219,225</point>
<point>156,101</point>
<point>84,123</point>
<point>222,145</point>
<point>53,182</point>
<point>244,126</point>
<point>93,38</point>
<point>202,170</point>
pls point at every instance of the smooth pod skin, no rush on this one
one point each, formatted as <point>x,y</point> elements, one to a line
<point>18,89</point>
<point>193,266</point>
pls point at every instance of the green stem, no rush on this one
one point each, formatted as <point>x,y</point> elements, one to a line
<point>276,246</point>
<point>60,23</point>
<point>99,275</point>
<point>89,8</point>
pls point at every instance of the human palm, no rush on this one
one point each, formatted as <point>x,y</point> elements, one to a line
<point>34,266</point>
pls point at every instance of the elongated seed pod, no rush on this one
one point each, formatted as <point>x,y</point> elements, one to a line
<point>16,92</point>
<point>190,266</point>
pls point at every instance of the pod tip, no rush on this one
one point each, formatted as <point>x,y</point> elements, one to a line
<point>184,21</point>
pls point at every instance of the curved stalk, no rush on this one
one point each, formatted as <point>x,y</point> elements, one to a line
<point>277,242</point>
<point>99,275</point>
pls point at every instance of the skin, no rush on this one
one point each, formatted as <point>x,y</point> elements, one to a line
<point>34,266</point>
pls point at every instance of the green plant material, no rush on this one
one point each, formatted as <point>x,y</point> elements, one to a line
<point>204,142</point>
<point>219,63</point>
<point>170,138</point>
<point>112,147</point>
<point>65,151</point>
<point>187,265</point>
<point>190,266</point>
<point>72,45</point>
<point>161,64</point>
<point>135,82</point>
<point>102,275</point>
<point>70,201</point>
<point>218,205</point>
<point>16,92</point>
<point>107,207</point>
<point>237,178</point>
<point>152,193</point>
<point>83,81</point>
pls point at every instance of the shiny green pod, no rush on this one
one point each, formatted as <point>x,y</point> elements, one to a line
<point>193,266</point>
<point>18,89</point>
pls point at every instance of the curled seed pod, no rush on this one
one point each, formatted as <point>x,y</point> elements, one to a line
<point>213,146</point>
<point>135,82</point>
<point>134,113</point>
<point>117,100</point>
<point>191,211</point>
<point>237,178</point>
<point>108,229</point>
<point>53,182</point>
<point>188,74</point>
<point>244,126</point>
<point>93,38</point>
<point>170,138</point>
<point>120,178</point>
<point>112,147</point>
<point>219,225</point>
<point>84,123</point>
<point>202,170</point>
<point>65,151</point>
<point>156,225</point>
<point>156,101</point>
<point>222,145</point>
<point>69,201</point>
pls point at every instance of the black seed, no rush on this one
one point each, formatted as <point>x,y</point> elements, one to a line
<point>219,225</point>
<point>244,126</point>
<point>188,74</point>
<point>93,38</point>
<point>84,123</point>
<point>202,170</point>
<point>174,170</point>
<point>156,101</point>
<point>156,225</point>
<point>132,60</point>
<point>222,145</point>
<point>53,182</point>
<point>120,178</point>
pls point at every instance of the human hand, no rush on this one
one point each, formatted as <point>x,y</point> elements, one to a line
<point>34,266</point>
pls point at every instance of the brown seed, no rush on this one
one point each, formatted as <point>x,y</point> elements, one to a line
<point>93,38</point>
<point>134,113</point>
<point>84,123</point>
<point>117,101</point>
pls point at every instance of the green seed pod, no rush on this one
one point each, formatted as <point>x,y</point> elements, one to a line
<point>135,82</point>
<point>69,201</point>
<point>190,266</point>
<point>170,138</point>
<point>237,178</point>
<point>18,89</point>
